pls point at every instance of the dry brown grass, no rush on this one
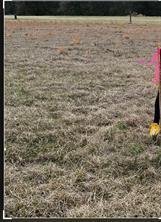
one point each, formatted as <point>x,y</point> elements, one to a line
<point>76,40</point>
<point>76,123</point>
<point>61,50</point>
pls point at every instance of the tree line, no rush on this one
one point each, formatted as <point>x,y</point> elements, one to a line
<point>83,8</point>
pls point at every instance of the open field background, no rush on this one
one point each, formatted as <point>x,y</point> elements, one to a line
<point>93,19</point>
<point>77,112</point>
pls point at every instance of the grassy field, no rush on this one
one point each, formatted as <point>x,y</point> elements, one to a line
<point>77,112</point>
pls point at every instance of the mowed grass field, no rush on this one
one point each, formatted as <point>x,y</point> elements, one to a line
<point>77,112</point>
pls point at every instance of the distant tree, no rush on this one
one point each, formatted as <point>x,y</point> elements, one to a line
<point>15,10</point>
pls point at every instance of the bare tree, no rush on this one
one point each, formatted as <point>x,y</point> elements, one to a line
<point>130,13</point>
<point>15,10</point>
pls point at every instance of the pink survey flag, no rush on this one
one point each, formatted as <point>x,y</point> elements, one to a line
<point>142,61</point>
<point>155,60</point>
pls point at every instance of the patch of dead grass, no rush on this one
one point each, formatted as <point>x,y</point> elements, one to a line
<point>76,123</point>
